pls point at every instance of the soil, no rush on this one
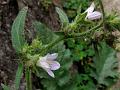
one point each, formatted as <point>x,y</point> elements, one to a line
<point>8,62</point>
<point>8,11</point>
<point>112,6</point>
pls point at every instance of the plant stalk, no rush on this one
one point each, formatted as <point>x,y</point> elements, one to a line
<point>28,79</point>
<point>102,9</point>
<point>51,45</point>
<point>69,36</point>
<point>88,31</point>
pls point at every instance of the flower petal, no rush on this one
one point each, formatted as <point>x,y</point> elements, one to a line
<point>50,73</point>
<point>52,56</point>
<point>54,65</point>
<point>94,15</point>
<point>42,62</point>
<point>91,8</point>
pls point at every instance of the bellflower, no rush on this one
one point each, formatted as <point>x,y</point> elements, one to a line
<point>48,63</point>
<point>91,14</point>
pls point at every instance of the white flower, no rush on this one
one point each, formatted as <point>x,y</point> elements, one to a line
<point>91,14</point>
<point>48,63</point>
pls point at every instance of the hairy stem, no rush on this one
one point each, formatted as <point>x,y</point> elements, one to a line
<point>55,42</point>
<point>28,79</point>
<point>68,36</point>
<point>102,9</point>
<point>88,31</point>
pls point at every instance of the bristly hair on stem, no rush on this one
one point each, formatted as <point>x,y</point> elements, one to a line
<point>102,9</point>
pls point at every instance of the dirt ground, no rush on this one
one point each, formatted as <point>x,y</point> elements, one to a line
<point>8,62</point>
<point>112,5</point>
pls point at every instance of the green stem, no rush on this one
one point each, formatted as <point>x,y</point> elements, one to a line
<point>51,45</point>
<point>102,9</point>
<point>18,76</point>
<point>28,79</point>
<point>46,49</point>
<point>88,31</point>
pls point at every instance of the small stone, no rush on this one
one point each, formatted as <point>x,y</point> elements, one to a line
<point>111,5</point>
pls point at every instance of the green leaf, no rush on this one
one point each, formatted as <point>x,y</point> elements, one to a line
<point>63,17</point>
<point>18,76</point>
<point>66,61</point>
<point>105,65</point>
<point>18,39</point>
<point>49,84</point>
<point>89,85</point>
<point>65,78</point>
<point>113,22</point>
<point>45,34</point>
<point>5,87</point>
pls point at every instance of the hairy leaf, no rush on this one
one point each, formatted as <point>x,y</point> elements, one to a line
<point>45,34</point>
<point>89,85</point>
<point>18,39</point>
<point>105,65</point>
<point>63,17</point>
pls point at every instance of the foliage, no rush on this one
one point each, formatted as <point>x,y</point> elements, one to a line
<point>80,49</point>
<point>46,3</point>
<point>75,6</point>
<point>62,77</point>
<point>70,4</point>
<point>105,65</point>
<point>63,17</point>
<point>18,38</point>
<point>44,33</point>
<point>113,21</point>
<point>84,82</point>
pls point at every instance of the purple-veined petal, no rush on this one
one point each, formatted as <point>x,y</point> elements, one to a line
<point>54,65</point>
<point>94,15</point>
<point>50,73</point>
<point>42,62</point>
<point>52,56</point>
<point>91,8</point>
